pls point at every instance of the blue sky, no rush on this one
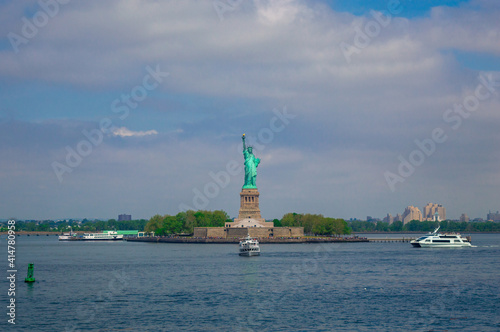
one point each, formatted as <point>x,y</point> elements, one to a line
<point>358,100</point>
<point>409,8</point>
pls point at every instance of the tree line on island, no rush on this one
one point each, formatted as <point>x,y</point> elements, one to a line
<point>77,226</point>
<point>424,226</point>
<point>184,222</point>
<point>314,224</point>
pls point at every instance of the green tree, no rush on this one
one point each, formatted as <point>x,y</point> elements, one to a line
<point>315,224</point>
<point>30,227</point>
<point>155,223</point>
<point>396,226</point>
<point>412,226</point>
<point>44,227</point>
<point>290,220</point>
<point>219,218</point>
<point>382,226</point>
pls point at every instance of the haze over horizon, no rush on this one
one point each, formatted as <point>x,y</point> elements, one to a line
<point>355,108</point>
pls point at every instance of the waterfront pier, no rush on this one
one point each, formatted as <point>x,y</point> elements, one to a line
<point>404,239</point>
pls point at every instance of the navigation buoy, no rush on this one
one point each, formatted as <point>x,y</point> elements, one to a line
<point>29,277</point>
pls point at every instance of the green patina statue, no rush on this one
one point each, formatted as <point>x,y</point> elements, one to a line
<point>251,163</point>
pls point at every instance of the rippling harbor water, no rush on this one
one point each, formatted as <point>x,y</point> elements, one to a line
<point>120,286</point>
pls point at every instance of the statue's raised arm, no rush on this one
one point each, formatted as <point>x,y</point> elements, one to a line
<point>244,146</point>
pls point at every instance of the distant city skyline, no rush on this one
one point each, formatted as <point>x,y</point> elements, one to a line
<point>354,108</point>
<point>494,216</point>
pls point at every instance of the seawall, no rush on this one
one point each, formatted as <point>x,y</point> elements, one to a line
<point>237,240</point>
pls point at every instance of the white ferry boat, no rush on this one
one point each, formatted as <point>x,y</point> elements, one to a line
<point>249,247</point>
<point>438,240</point>
<point>67,236</point>
<point>108,236</point>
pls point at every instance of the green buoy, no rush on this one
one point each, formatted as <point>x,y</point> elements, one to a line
<point>29,277</point>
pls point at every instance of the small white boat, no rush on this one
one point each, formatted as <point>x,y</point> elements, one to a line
<point>67,236</point>
<point>438,240</point>
<point>249,247</point>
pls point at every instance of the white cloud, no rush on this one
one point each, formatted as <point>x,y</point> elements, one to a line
<point>125,132</point>
<point>273,49</point>
<point>465,28</point>
<point>277,11</point>
<point>353,120</point>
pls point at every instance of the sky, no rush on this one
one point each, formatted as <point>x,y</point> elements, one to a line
<point>355,108</point>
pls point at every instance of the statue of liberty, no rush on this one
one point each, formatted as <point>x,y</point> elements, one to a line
<point>251,163</point>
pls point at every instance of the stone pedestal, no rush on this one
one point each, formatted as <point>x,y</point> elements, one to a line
<point>249,205</point>
<point>249,215</point>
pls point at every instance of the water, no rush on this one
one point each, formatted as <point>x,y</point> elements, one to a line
<point>120,286</point>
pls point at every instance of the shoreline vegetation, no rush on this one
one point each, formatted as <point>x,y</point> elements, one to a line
<point>415,226</point>
<point>184,223</point>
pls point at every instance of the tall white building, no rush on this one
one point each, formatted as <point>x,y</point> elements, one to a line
<point>430,212</point>
<point>411,213</point>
